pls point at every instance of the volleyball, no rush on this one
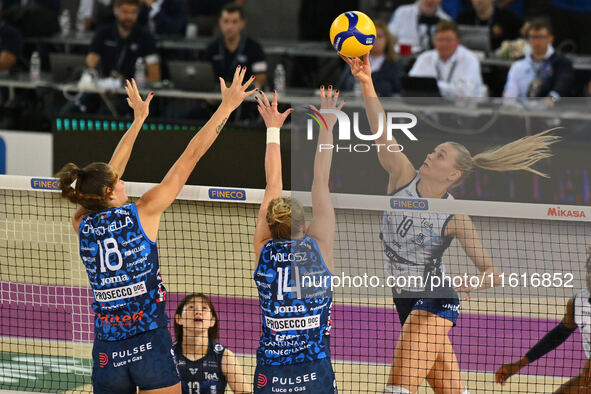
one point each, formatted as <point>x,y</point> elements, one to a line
<point>352,34</point>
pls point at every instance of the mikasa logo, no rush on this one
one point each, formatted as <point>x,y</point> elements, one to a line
<point>559,212</point>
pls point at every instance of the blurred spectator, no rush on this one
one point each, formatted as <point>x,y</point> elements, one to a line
<point>118,46</point>
<point>456,68</point>
<point>235,48</point>
<point>164,17</point>
<point>11,45</point>
<point>160,17</point>
<point>204,13</point>
<point>503,23</point>
<point>385,70</point>
<point>571,23</point>
<point>414,24</point>
<point>543,73</point>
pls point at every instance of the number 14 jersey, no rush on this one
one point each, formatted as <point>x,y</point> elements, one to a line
<point>295,295</point>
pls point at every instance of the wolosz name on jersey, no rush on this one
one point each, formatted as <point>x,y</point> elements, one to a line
<point>291,257</point>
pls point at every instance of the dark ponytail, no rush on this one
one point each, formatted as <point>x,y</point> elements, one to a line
<point>87,186</point>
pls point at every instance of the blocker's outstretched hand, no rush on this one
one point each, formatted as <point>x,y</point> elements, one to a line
<point>141,108</point>
<point>269,112</point>
<point>235,94</point>
<point>329,100</point>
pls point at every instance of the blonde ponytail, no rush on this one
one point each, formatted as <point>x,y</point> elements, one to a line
<point>520,154</point>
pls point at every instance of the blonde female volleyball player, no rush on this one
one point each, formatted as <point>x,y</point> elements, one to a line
<point>205,365</point>
<point>132,346</point>
<point>414,244</point>
<point>294,349</point>
<point>577,314</point>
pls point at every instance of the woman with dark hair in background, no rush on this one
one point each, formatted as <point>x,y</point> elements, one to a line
<point>205,365</point>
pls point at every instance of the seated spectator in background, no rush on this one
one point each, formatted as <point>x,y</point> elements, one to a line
<point>164,17</point>
<point>117,47</point>
<point>205,365</point>
<point>503,23</point>
<point>385,70</point>
<point>11,45</point>
<point>159,17</point>
<point>234,48</point>
<point>571,22</point>
<point>543,73</point>
<point>456,68</point>
<point>414,24</point>
<point>205,13</point>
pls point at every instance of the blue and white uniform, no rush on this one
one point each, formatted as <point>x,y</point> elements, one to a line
<point>295,297</point>
<point>130,325</point>
<point>582,315</point>
<point>414,243</point>
<point>203,376</point>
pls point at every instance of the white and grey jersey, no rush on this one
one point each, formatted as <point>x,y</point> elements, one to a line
<point>582,316</point>
<point>414,241</point>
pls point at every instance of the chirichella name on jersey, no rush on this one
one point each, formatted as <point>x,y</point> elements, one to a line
<point>114,226</point>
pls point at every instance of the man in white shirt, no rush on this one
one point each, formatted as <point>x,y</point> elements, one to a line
<point>543,73</point>
<point>456,69</point>
<point>414,24</point>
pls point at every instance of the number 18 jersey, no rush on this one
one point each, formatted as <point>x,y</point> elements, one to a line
<point>124,274</point>
<point>295,296</point>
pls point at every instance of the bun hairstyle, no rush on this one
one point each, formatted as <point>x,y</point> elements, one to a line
<point>521,154</point>
<point>87,186</point>
<point>285,217</point>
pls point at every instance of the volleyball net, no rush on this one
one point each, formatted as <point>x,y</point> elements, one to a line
<point>205,245</point>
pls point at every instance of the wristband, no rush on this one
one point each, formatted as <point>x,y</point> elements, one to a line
<point>272,135</point>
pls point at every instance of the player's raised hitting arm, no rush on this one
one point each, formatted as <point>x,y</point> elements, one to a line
<point>274,183</point>
<point>396,164</point>
<point>156,200</point>
<point>322,226</point>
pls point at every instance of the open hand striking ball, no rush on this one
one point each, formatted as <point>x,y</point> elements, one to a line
<point>353,34</point>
